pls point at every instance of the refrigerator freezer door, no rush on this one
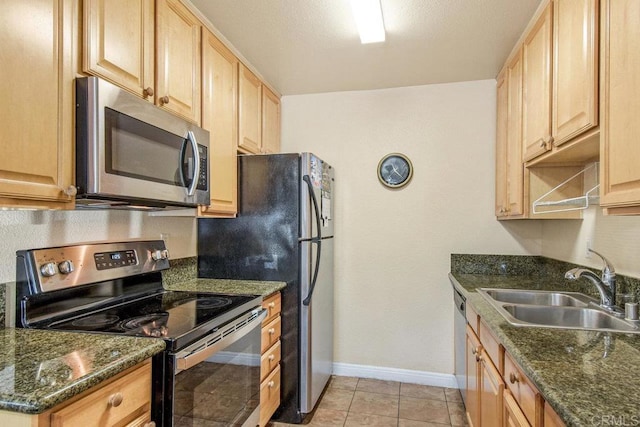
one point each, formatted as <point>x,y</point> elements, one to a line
<point>316,324</point>
<point>321,179</point>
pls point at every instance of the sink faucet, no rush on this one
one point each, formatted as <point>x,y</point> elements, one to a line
<point>606,284</point>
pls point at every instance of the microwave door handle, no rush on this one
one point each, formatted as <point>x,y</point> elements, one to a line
<point>191,190</point>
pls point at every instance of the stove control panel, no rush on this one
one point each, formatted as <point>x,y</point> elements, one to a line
<point>106,260</point>
<point>52,269</point>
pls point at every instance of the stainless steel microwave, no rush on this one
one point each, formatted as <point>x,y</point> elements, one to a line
<point>130,153</point>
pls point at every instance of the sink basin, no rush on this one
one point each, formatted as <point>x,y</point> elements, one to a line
<point>553,309</point>
<point>568,317</point>
<point>515,296</point>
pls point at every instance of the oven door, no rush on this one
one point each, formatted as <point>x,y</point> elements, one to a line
<point>217,379</point>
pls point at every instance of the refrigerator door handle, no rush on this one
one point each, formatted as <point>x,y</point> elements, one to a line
<point>307,300</point>
<point>317,239</point>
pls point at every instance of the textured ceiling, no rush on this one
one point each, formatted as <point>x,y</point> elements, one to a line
<point>311,46</point>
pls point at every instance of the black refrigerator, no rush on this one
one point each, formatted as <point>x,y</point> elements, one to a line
<point>284,232</point>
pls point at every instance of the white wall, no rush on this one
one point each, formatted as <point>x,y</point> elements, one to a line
<point>35,229</point>
<point>615,237</point>
<point>393,299</point>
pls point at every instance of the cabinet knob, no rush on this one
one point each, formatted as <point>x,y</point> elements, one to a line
<point>164,100</point>
<point>150,424</point>
<point>272,331</point>
<point>543,144</point>
<point>513,378</point>
<point>272,304</point>
<point>148,92</point>
<point>271,357</point>
<point>271,384</point>
<point>478,358</point>
<point>115,399</point>
<point>71,191</point>
<point>474,351</point>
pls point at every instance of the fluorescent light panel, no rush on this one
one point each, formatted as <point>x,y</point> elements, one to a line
<point>368,15</point>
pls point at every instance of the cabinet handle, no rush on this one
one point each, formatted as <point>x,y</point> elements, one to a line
<point>272,331</point>
<point>148,92</point>
<point>71,191</point>
<point>475,350</point>
<point>271,384</point>
<point>478,358</point>
<point>115,399</point>
<point>271,357</point>
<point>513,378</point>
<point>543,144</point>
<point>164,100</point>
<point>272,304</point>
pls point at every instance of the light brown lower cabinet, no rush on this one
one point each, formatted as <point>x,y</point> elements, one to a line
<point>124,400</point>
<point>270,360</point>
<point>498,392</point>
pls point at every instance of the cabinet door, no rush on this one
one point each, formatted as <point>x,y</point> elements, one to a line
<point>513,415</point>
<point>491,392</point>
<point>536,88</point>
<point>119,43</point>
<point>178,60</point>
<point>36,81</point>
<point>249,139</point>
<point>515,168</point>
<point>501,146</point>
<point>575,68</point>
<point>220,118</point>
<point>473,391</point>
<point>270,122</point>
<point>620,151</point>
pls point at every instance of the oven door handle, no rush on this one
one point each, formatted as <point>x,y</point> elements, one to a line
<point>200,351</point>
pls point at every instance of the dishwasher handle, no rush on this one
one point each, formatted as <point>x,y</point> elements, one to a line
<point>460,302</point>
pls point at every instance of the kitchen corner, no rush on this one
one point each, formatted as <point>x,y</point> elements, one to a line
<point>585,376</point>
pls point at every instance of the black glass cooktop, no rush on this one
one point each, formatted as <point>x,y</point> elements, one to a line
<point>169,315</point>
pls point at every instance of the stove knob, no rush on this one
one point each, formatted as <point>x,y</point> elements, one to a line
<point>48,269</point>
<point>65,267</point>
<point>158,255</point>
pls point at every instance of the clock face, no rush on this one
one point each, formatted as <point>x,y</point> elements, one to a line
<point>395,170</point>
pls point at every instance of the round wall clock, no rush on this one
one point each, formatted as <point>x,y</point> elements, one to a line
<point>395,170</point>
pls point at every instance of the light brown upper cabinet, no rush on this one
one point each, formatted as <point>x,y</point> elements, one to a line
<point>119,43</point>
<point>220,118</point>
<point>536,87</point>
<point>36,147</point>
<point>509,166</point>
<point>178,43</point>
<point>270,121</point>
<point>250,114</point>
<point>620,150</point>
<point>575,68</point>
<point>560,84</point>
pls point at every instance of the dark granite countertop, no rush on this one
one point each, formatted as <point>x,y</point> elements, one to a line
<point>40,369</point>
<point>589,378</point>
<point>227,286</point>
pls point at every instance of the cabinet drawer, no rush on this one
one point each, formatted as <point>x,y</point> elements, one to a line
<point>519,385</point>
<point>273,305</point>
<point>270,360</point>
<point>118,403</point>
<point>270,334</point>
<point>491,345</point>
<point>269,396</point>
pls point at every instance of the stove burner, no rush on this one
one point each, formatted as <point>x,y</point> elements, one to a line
<point>96,321</point>
<point>209,303</point>
<point>153,325</point>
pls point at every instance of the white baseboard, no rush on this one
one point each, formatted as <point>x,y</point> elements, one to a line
<point>395,374</point>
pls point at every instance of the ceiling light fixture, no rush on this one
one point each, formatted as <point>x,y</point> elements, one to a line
<point>368,15</point>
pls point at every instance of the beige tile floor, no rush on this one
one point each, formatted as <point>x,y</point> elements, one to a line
<point>355,402</point>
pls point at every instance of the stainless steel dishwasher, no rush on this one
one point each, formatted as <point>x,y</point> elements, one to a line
<point>459,339</point>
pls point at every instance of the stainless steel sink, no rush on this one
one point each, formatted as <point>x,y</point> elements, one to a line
<point>552,309</point>
<point>516,296</point>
